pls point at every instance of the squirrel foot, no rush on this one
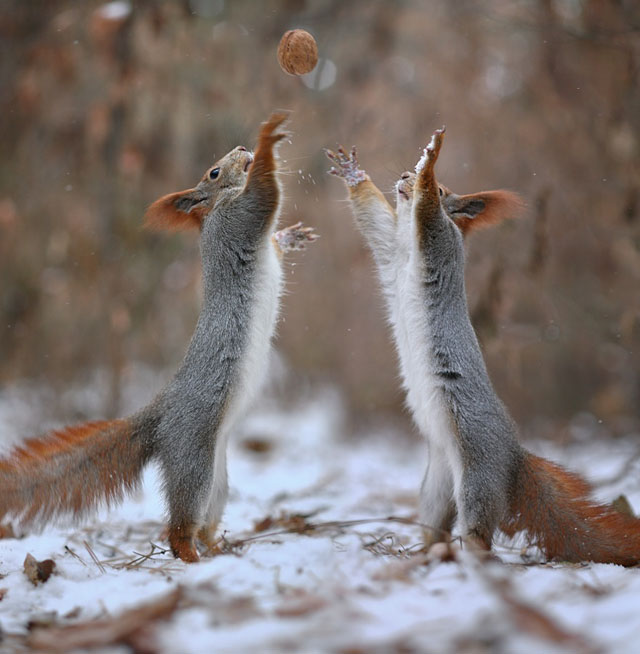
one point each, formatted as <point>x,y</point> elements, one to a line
<point>207,536</point>
<point>183,547</point>
<point>432,536</point>
<point>346,166</point>
<point>431,152</point>
<point>294,237</point>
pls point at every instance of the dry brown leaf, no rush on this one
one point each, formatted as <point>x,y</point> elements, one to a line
<point>3,592</point>
<point>42,619</point>
<point>300,604</point>
<point>263,525</point>
<point>38,571</point>
<point>257,445</point>
<point>294,522</point>
<point>133,628</point>
<point>530,619</point>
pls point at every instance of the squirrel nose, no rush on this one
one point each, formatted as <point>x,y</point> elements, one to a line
<point>241,148</point>
<point>405,175</point>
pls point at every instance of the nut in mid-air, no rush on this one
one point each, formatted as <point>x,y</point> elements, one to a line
<point>297,52</point>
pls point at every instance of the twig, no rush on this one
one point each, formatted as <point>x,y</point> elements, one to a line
<point>93,556</point>
<point>333,524</point>
<point>77,556</point>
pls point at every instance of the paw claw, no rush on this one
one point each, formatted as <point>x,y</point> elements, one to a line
<point>346,165</point>
<point>295,237</point>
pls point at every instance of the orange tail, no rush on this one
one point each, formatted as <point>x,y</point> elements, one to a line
<point>554,507</point>
<point>71,470</point>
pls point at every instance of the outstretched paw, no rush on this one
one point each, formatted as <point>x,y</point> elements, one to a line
<point>346,166</point>
<point>431,152</point>
<point>268,135</point>
<point>294,237</point>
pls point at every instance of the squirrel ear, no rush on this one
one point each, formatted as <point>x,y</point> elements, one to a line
<point>177,211</point>
<point>477,210</point>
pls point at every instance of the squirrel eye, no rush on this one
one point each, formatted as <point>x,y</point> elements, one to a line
<point>440,189</point>
<point>213,174</point>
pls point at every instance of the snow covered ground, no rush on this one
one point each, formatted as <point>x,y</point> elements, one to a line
<point>299,574</point>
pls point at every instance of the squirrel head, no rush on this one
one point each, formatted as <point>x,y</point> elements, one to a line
<point>468,212</point>
<point>188,209</point>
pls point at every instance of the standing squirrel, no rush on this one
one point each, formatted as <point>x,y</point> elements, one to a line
<point>477,471</point>
<point>186,426</point>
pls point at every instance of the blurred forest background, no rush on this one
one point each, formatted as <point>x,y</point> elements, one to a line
<point>105,107</point>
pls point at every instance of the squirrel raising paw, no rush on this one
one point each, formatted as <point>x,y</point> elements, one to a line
<point>478,473</point>
<point>185,428</point>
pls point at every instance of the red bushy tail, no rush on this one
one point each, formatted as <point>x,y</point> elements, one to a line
<point>71,471</point>
<point>554,507</point>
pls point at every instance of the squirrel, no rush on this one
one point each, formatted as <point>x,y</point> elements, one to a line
<point>185,427</point>
<point>477,473</point>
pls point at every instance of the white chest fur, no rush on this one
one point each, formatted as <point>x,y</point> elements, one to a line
<point>252,368</point>
<point>413,338</point>
<point>262,322</point>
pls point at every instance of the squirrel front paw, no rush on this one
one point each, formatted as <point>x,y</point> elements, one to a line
<point>431,152</point>
<point>346,166</point>
<point>294,237</point>
<point>268,136</point>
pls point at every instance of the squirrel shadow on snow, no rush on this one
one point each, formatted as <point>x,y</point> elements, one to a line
<point>478,473</point>
<point>185,427</point>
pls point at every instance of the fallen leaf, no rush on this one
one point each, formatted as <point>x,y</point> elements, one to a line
<point>300,604</point>
<point>257,445</point>
<point>529,619</point>
<point>38,571</point>
<point>263,525</point>
<point>44,619</point>
<point>294,522</point>
<point>133,628</point>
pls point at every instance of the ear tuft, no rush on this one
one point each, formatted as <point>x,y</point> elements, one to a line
<point>479,210</point>
<point>176,212</point>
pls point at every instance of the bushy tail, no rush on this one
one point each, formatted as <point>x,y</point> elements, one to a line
<point>73,470</point>
<point>554,507</point>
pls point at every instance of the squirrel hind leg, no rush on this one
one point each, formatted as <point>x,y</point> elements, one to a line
<point>207,536</point>
<point>182,541</point>
<point>479,510</point>
<point>437,509</point>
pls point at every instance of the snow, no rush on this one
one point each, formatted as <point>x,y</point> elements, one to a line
<point>422,162</point>
<point>339,587</point>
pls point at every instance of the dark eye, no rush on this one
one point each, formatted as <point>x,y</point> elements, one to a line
<point>439,189</point>
<point>214,173</point>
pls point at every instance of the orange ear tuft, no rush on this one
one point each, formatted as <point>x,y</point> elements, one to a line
<point>177,211</point>
<point>479,210</point>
